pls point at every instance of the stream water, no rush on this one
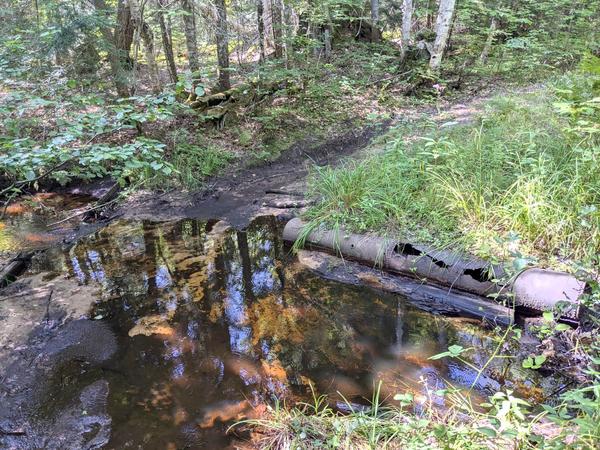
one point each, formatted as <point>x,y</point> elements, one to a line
<point>212,324</point>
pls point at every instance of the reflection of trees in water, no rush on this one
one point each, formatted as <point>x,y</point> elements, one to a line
<point>224,326</point>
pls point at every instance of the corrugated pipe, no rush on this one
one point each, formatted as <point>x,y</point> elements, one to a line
<point>534,289</point>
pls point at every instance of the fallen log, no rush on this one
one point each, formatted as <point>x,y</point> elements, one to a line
<point>284,192</point>
<point>283,204</point>
<point>427,297</point>
<point>104,200</point>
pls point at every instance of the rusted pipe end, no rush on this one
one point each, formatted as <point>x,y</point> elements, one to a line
<point>543,290</point>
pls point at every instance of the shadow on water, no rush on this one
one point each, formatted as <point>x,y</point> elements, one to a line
<point>214,323</point>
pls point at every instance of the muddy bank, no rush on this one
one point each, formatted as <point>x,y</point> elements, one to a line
<point>237,197</point>
<point>46,338</point>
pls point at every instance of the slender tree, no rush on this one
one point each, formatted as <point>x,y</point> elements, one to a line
<point>189,26</point>
<point>442,31</point>
<point>144,31</point>
<point>375,20</point>
<point>222,45</point>
<point>277,19</point>
<point>109,36</point>
<point>407,12</point>
<point>167,43</point>
<point>489,41</point>
<point>261,28</point>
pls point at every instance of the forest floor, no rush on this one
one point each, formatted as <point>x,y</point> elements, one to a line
<point>240,192</point>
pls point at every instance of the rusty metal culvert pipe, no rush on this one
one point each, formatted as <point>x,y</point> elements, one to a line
<point>534,290</point>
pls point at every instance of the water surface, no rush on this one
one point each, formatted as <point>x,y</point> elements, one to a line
<point>213,324</point>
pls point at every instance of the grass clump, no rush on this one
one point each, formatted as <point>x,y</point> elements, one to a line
<point>525,173</point>
<point>403,422</point>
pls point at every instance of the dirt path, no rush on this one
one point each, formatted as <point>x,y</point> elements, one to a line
<point>241,195</point>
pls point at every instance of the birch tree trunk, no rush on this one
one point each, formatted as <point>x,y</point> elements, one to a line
<point>375,20</point>
<point>489,41</point>
<point>166,40</point>
<point>442,31</point>
<point>189,26</point>
<point>260,22</point>
<point>407,12</point>
<point>222,45</point>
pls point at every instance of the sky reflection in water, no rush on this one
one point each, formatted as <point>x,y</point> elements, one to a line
<point>213,322</point>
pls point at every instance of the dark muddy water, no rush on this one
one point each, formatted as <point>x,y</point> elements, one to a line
<point>27,223</point>
<point>212,324</point>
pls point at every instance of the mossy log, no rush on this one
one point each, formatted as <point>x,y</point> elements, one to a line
<point>211,100</point>
<point>215,107</point>
<point>243,94</point>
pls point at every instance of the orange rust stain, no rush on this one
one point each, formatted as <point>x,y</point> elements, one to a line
<point>180,416</point>
<point>225,412</point>
<point>44,195</point>
<point>419,360</point>
<point>237,365</point>
<point>274,370</point>
<point>38,237</point>
<point>534,393</point>
<point>15,208</point>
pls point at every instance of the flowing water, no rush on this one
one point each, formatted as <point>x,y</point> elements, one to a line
<point>212,324</point>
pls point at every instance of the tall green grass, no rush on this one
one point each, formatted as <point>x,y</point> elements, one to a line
<point>521,175</point>
<point>572,421</point>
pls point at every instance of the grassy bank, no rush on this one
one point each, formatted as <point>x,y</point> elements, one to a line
<point>522,179</point>
<point>567,421</point>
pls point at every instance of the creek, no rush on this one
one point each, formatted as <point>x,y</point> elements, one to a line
<point>188,326</point>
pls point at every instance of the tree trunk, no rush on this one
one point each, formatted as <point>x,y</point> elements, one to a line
<point>429,15</point>
<point>145,32</point>
<point>489,41</point>
<point>449,40</point>
<point>289,26</point>
<point>124,32</point>
<point>375,35</point>
<point>277,18</point>
<point>442,31</point>
<point>407,12</point>
<point>222,45</point>
<point>261,28</point>
<point>189,26</point>
<point>116,64</point>
<point>150,50</point>
<point>327,41</point>
<point>166,41</point>
<point>268,23</point>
